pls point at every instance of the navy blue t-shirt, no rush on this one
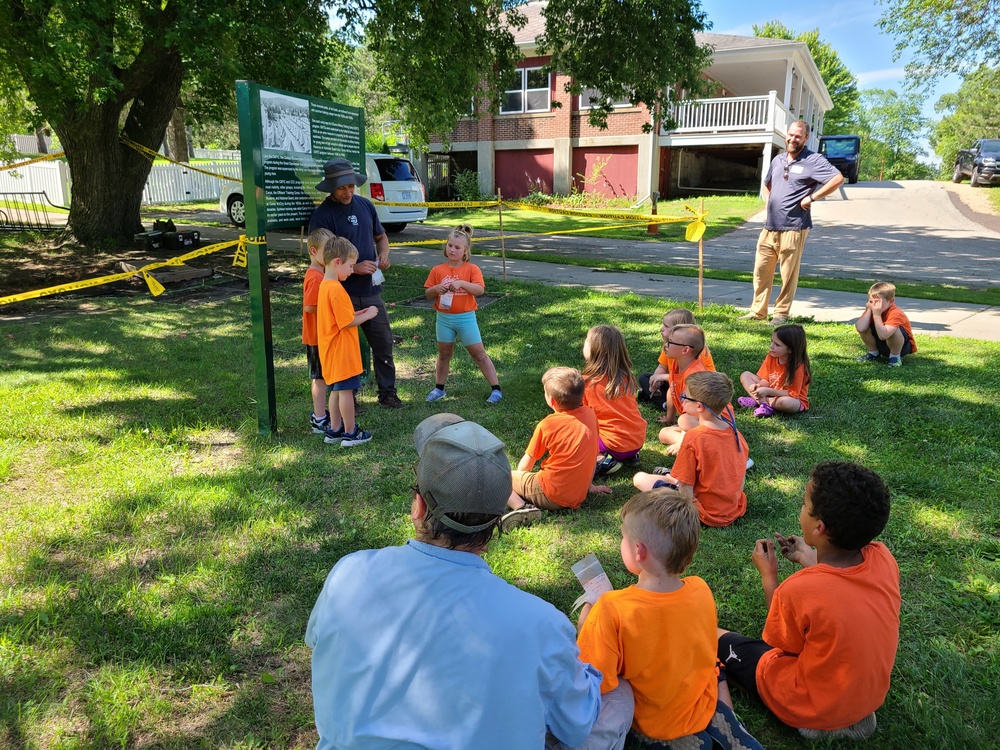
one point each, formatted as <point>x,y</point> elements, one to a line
<point>357,222</point>
<point>806,173</point>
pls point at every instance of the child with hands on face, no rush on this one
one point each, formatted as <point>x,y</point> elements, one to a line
<point>782,382</point>
<point>884,328</point>
<point>454,286</point>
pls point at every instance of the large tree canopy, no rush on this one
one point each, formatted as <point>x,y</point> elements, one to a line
<point>96,70</point>
<point>970,113</point>
<point>944,36</point>
<point>839,80</point>
<point>891,125</point>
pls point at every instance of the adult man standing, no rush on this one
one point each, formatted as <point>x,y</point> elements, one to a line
<point>422,646</point>
<point>795,180</point>
<point>354,218</point>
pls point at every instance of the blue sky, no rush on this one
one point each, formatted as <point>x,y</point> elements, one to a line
<point>849,26</point>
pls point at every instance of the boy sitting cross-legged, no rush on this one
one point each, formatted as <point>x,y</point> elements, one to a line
<point>832,628</point>
<point>660,634</point>
<point>684,346</point>
<point>712,462</point>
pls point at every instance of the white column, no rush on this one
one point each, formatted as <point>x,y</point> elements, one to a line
<point>786,99</point>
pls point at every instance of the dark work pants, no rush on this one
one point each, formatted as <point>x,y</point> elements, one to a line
<point>379,336</point>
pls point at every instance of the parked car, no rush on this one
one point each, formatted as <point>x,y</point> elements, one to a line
<point>843,152</point>
<point>979,163</point>
<point>390,178</point>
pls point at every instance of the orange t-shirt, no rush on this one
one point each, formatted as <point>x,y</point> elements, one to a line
<point>310,298</point>
<point>775,373</point>
<point>709,462</point>
<point>570,439</point>
<point>461,300</point>
<point>893,316</point>
<point>705,357</point>
<point>677,378</point>
<point>339,346</point>
<point>619,422</point>
<point>835,633</point>
<point>665,645</point>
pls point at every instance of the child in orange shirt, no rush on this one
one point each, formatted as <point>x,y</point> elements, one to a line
<point>782,382</point>
<point>454,286</point>
<point>339,347</point>
<point>569,437</point>
<point>657,396</point>
<point>832,628</point>
<point>713,459</point>
<point>610,392</point>
<point>884,328</point>
<point>659,635</point>
<point>684,346</point>
<point>310,296</point>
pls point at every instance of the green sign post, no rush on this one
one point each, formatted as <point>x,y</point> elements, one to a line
<point>285,139</point>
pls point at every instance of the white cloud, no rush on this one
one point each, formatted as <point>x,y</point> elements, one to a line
<point>884,74</point>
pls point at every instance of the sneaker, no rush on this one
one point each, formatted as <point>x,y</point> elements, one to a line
<point>660,471</point>
<point>390,401</point>
<point>867,357</point>
<point>895,361</point>
<point>358,437</point>
<point>747,402</point>
<point>751,316</point>
<point>319,424</point>
<point>433,395</point>
<point>606,465</point>
<point>494,397</point>
<point>764,410</point>
<point>523,516</point>
<point>632,462</point>
<point>777,320</point>
<point>860,730</point>
<point>749,463</point>
<point>333,436</point>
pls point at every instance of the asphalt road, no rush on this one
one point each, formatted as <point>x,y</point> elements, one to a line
<point>898,231</point>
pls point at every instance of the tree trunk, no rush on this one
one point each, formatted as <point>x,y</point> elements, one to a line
<point>108,176</point>
<point>177,141</point>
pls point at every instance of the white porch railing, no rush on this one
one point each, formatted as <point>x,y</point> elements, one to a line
<point>734,114</point>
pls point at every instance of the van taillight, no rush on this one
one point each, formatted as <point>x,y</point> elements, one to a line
<point>378,194</point>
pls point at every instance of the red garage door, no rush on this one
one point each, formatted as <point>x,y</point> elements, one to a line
<point>608,170</point>
<point>519,171</point>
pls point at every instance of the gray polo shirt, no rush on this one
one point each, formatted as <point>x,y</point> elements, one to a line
<point>806,173</point>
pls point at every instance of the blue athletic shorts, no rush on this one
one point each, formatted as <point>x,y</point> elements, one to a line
<point>461,326</point>
<point>351,384</point>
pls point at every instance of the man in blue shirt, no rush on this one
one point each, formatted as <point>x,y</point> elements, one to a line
<point>796,179</point>
<point>354,217</point>
<point>422,646</point>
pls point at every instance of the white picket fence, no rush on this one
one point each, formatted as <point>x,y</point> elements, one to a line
<point>167,183</point>
<point>28,144</point>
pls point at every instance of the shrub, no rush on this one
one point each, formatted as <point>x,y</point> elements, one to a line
<point>467,185</point>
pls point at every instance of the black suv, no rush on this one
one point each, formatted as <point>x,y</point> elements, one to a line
<point>843,152</point>
<point>979,163</point>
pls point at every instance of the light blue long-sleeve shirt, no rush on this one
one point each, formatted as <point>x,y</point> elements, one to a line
<point>422,646</point>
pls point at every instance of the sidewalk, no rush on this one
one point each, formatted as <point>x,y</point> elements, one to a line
<point>928,317</point>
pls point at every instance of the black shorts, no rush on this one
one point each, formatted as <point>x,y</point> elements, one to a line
<point>312,359</point>
<point>883,347</point>
<point>740,656</point>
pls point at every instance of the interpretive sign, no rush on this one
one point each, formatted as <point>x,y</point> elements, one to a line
<point>285,139</point>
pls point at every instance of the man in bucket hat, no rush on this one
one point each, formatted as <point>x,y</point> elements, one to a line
<point>423,646</point>
<point>353,217</point>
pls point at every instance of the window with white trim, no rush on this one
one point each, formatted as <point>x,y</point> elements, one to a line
<point>591,98</point>
<point>528,91</point>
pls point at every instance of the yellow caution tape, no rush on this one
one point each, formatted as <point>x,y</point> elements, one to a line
<point>47,157</point>
<point>441,204</point>
<point>240,257</point>
<point>497,238</point>
<point>153,155</point>
<point>154,286</point>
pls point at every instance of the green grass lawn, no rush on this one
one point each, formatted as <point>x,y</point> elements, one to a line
<point>159,560</point>
<point>725,214</point>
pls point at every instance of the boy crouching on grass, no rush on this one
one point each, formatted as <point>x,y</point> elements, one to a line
<point>569,437</point>
<point>339,348</point>
<point>884,328</point>
<point>832,628</point>
<point>660,634</point>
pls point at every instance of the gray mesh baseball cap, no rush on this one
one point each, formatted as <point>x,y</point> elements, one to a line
<point>463,468</point>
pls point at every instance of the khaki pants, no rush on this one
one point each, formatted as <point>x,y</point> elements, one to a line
<point>782,249</point>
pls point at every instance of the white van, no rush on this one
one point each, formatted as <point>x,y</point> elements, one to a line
<point>390,178</point>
